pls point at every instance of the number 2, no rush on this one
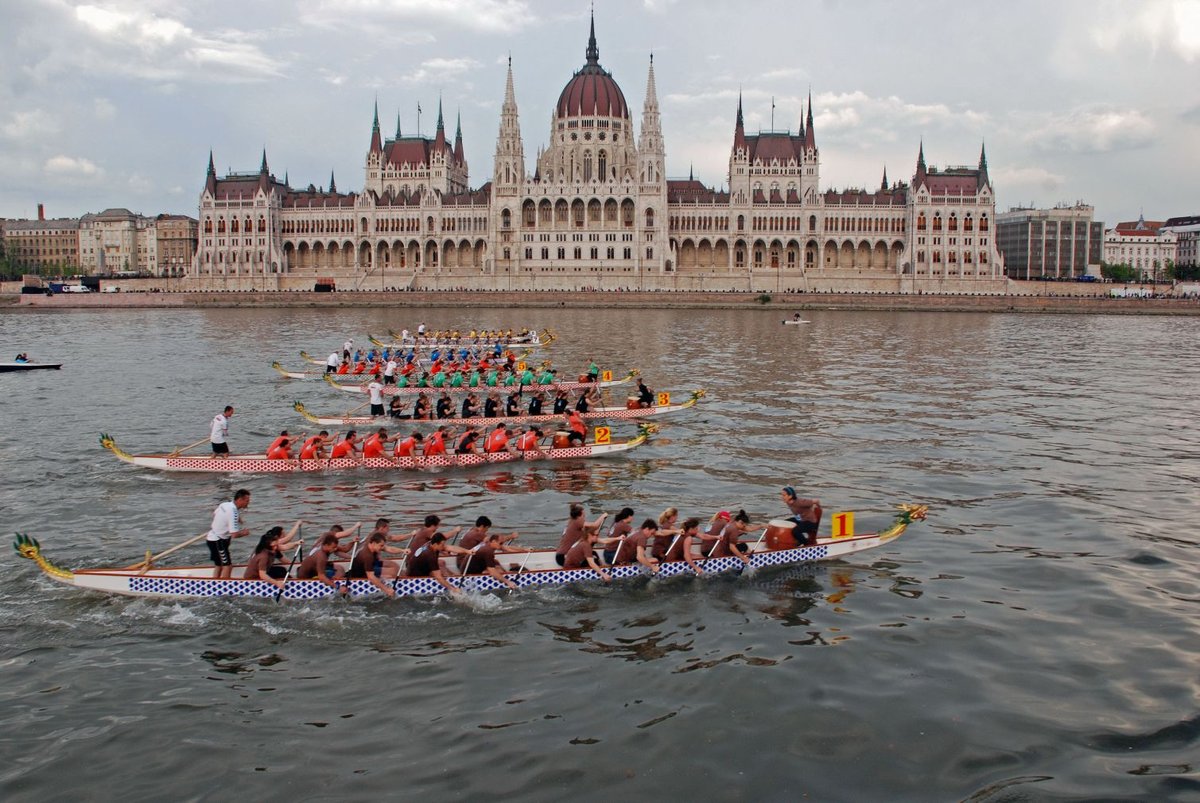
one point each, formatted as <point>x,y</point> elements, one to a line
<point>603,435</point>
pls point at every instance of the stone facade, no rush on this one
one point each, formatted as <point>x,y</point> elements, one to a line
<point>1059,243</point>
<point>598,211</point>
<point>117,241</point>
<point>1187,239</point>
<point>43,244</point>
<point>1143,244</point>
<point>175,237</point>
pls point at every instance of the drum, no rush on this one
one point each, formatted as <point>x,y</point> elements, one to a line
<point>584,378</point>
<point>632,403</point>
<point>562,439</point>
<point>779,534</point>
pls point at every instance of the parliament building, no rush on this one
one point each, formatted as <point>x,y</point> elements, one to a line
<point>598,212</point>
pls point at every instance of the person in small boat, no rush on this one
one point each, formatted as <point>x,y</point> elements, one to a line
<point>618,531</point>
<point>636,547</point>
<point>805,512</point>
<point>712,534</point>
<point>425,561</point>
<point>318,565</point>
<point>281,447</point>
<point>369,563</point>
<point>22,358</point>
<point>593,371</point>
<point>573,532</point>
<point>582,553</point>
<point>347,447</point>
<point>314,447</point>
<point>264,563</point>
<point>219,433</point>
<point>482,530</point>
<point>682,544</point>
<point>226,525</point>
<point>482,560</point>
<point>421,536</point>
<point>729,544</point>
<point>645,394</point>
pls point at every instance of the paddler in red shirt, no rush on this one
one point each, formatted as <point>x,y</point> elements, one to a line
<point>347,447</point>
<point>280,448</point>
<point>578,429</point>
<point>529,440</point>
<point>375,444</point>
<point>408,446</point>
<point>436,444</point>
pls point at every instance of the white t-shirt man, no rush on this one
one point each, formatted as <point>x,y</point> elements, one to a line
<point>389,370</point>
<point>226,521</point>
<point>334,360</point>
<point>376,391</point>
<point>421,329</point>
<point>220,430</point>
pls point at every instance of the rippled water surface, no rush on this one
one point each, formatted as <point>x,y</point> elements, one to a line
<point>1035,639</point>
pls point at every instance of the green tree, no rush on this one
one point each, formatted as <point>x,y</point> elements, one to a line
<point>1121,272</point>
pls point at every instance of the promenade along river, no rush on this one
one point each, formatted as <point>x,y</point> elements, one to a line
<point>1036,638</point>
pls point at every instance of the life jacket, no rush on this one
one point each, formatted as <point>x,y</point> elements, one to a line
<point>576,424</point>
<point>496,441</point>
<point>527,440</point>
<point>279,453</point>
<point>406,447</point>
<point>275,444</point>
<point>343,449</point>
<point>435,445</point>
<point>360,367</point>
<point>309,450</point>
<point>344,368</point>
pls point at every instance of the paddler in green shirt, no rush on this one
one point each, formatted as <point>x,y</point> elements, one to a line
<point>474,380</point>
<point>439,379</point>
<point>511,379</point>
<point>422,381</point>
<point>493,378</point>
<point>527,377</point>
<point>456,379</point>
<point>546,377</point>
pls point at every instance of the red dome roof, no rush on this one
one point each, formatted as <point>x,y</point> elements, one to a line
<point>592,92</point>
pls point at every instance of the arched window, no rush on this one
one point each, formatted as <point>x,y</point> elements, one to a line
<point>528,213</point>
<point>208,225</point>
<point>812,222</point>
<point>921,222</point>
<point>937,221</point>
<point>741,222</point>
<point>649,218</point>
<point>983,222</point>
<point>953,222</point>
<point>220,225</point>
<point>968,223</point>
<point>602,165</point>
<point>587,165</point>
<point>233,226</point>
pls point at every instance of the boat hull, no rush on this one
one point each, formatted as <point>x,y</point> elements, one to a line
<point>13,367</point>
<point>394,390</point>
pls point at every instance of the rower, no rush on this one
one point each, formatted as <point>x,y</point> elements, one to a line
<point>634,547</point>
<point>425,561</point>
<point>470,406</point>
<point>574,531</point>
<point>466,441</point>
<point>621,527</point>
<point>408,446</point>
<point>681,545</point>
<point>528,440</point>
<point>491,405</point>
<point>280,448</point>
<point>445,406</point>
<point>535,403</point>
<point>375,444</point>
<point>347,447</point>
<point>561,401</point>
<point>317,565</point>
<point>420,536</point>
<point>582,554</point>
<point>497,440</point>
<point>421,408</point>
<point>666,533</point>
<point>263,564</point>
<point>314,447</point>
<point>396,408</point>
<point>369,564</point>
<point>436,444</point>
<point>512,407</point>
<point>482,560</point>
<point>728,543</point>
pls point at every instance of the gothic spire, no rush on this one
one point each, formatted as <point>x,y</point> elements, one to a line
<point>919,179</point>
<point>883,185</point>
<point>810,133</point>
<point>332,183</point>
<point>983,168</point>
<point>397,124</point>
<point>263,167</point>
<point>593,52</point>
<point>739,129</point>
<point>439,141</point>
<point>376,139</point>
<point>210,180</point>
<point>459,156</point>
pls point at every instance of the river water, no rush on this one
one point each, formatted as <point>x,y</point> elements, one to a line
<point>1035,639</point>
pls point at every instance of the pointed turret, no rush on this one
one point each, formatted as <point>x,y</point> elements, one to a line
<point>883,185</point>
<point>508,171</point>
<point>739,129</point>
<point>397,125</point>
<point>919,179</point>
<point>810,133</point>
<point>210,180</point>
<point>439,141</point>
<point>332,183</point>
<point>262,169</point>
<point>984,181</point>
<point>376,139</point>
<point>593,52</point>
<point>652,152</point>
<point>458,145</point>
<point>264,173</point>
<point>286,183</point>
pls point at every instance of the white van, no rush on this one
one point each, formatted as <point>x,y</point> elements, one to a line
<point>76,288</point>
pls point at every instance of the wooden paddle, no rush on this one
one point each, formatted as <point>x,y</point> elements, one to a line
<point>295,557</point>
<point>145,565</point>
<point>528,552</point>
<point>183,449</point>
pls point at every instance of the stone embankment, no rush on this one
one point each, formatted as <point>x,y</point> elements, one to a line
<point>780,303</point>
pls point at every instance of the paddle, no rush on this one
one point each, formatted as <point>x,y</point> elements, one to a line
<point>145,565</point>
<point>353,552</point>
<point>286,577</point>
<point>667,555</point>
<point>528,552</point>
<point>183,449</point>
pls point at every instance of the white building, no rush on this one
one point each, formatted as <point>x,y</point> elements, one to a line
<point>117,241</point>
<point>1187,238</point>
<point>1143,245</point>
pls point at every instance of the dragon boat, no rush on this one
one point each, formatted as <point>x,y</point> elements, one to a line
<point>537,341</point>
<point>614,413</point>
<point>367,373</point>
<point>394,390</point>
<point>537,569</point>
<point>602,445</point>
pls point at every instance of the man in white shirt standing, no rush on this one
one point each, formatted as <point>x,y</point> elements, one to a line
<point>348,349</point>
<point>331,364</point>
<point>389,371</point>
<point>226,526</point>
<point>376,391</point>
<point>219,436</point>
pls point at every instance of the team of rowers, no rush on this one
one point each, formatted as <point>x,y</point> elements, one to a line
<point>654,542</point>
<point>444,440</point>
<point>399,363</point>
<point>481,337</point>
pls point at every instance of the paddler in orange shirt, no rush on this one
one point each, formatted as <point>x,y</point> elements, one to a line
<point>436,444</point>
<point>408,446</point>
<point>280,448</point>
<point>497,440</point>
<point>314,447</point>
<point>529,440</point>
<point>375,444</point>
<point>347,447</point>
<point>577,428</point>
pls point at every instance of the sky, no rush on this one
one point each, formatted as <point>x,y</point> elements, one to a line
<point>117,104</point>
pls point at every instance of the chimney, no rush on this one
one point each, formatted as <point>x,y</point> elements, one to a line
<point>41,212</point>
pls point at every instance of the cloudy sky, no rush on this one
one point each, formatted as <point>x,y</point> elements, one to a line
<point>118,103</point>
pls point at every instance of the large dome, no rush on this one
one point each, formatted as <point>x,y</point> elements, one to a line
<point>592,92</point>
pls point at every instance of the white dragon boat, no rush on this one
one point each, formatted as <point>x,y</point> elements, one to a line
<point>260,464</point>
<point>394,390</point>
<point>774,548</point>
<point>361,376</point>
<point>540,340</point>
<point>614,413</point>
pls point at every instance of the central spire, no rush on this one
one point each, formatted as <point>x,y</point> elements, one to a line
<point>593,52</point>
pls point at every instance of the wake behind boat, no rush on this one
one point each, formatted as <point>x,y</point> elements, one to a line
<point>539,569</point>
<point>260,464</point>
<point>629,412</point>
